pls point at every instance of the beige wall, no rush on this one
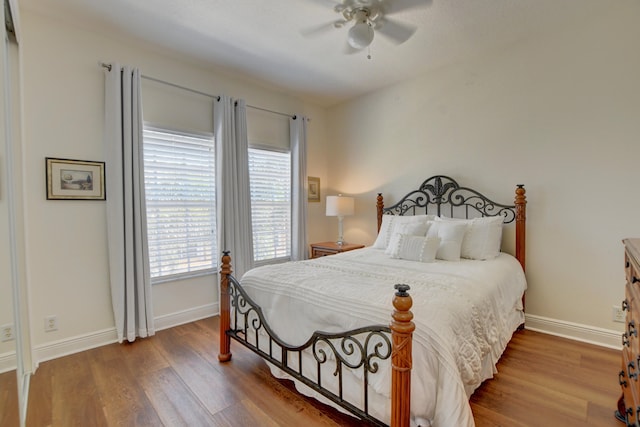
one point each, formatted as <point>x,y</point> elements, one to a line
<point>560,113</point>
<point>63,100</point>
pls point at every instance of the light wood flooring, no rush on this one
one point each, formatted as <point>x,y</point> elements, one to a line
<point>174,379</point>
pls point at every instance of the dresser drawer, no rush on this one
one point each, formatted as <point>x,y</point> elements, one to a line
<point>629,388</point>
<point>632,271</point>
<point>331,248</point>
<point>631,304</point>
<point>317,252</point>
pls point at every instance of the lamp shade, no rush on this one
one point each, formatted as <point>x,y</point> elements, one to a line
<point>340,205</point>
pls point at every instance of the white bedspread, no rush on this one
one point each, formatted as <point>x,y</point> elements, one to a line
<point>464,311</point>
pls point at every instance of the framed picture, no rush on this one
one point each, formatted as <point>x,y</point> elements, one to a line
<point>313,189</point>
<point>75,179</point>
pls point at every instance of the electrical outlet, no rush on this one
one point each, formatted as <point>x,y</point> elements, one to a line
<point>618,314</point>
<point>50,323</point>
<point>6,332</point>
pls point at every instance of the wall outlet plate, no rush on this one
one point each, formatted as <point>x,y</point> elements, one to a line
<point>6,332</point>
<point>618,314</point>
<point>50,323</point>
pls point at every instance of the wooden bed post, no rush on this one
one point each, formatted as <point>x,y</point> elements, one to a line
<point>401,335</point>
<point>521,220</point>
<point>379,206</point>
<point>225,309</point>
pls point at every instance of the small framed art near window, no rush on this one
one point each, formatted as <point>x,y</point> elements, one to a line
<point>313,189</point>
<point>74,179</point>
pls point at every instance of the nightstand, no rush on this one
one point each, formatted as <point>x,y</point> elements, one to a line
<point>330,248</point>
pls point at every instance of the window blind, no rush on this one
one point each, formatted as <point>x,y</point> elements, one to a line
<point>270,182</point>
<point>180,197</point>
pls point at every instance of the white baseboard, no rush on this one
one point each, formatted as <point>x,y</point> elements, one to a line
<point>7,361</point>
<point>185,316</point>
<point>64,347</point>
<point>574,331</point>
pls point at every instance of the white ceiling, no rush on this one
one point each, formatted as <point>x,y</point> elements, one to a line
<point>263,39</point>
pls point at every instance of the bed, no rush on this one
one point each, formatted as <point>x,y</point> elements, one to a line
<point>326,323</point>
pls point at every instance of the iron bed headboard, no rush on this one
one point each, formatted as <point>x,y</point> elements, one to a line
<point>441,193</point>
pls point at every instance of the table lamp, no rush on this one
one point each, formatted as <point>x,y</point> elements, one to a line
<point>340,206</point>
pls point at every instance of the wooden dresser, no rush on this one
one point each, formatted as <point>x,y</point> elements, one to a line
<point>629,403</point>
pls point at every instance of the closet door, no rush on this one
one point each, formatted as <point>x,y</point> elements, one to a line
<point>12,241</point>
<point>8,385</point>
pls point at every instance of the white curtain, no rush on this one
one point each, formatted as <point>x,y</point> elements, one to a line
<point>298,135</point>
<point>232,178</point>
<point>126,209</point>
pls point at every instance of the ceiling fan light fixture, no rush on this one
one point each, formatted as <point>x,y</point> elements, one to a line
<point>360,35</point>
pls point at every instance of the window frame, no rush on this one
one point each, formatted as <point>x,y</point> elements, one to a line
<point>215,259</point>
<point>282,150</point>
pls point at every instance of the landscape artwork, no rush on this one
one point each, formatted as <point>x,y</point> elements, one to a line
<point>74,179</point>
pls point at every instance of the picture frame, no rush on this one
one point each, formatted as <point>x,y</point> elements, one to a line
<point>313,189</point>
<point>69,179</point>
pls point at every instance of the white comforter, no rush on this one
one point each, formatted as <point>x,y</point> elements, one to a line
<point>465,313</point>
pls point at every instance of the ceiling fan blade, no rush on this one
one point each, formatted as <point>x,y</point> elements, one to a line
<point>394,6</point>
<point>317,30</point>
<point>395,31</point>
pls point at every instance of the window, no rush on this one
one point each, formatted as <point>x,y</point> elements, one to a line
<point>179,172</point>
<point>270,182</point>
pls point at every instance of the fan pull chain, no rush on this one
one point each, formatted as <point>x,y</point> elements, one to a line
<point>369,52</point>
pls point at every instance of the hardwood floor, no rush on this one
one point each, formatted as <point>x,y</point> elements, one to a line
<point>8,399</point>
<point>174,379</point>
<point>548,381</point>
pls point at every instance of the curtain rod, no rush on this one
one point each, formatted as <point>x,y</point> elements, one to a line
<point>216,97</point>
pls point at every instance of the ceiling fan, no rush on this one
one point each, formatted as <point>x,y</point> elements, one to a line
<point>368,17</point>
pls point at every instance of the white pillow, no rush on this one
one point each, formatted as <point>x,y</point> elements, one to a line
<point>416,228</point>
<point>451,235</point>
<point>483,237</point>
<point>385,230</point>
<point>415,248</point>
<point>388,221</point>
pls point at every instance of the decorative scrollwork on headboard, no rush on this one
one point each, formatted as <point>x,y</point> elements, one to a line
<point>442,195</point>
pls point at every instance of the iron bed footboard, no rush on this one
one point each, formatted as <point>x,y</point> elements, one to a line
<point>357,349</point>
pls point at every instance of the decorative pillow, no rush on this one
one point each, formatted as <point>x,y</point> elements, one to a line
<point>451,235</point>
<point>418,228</point>
<point>388,221</point>
<point>415,248</point>
<point>483,237</point>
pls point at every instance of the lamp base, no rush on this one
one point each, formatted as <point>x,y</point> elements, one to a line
<point>340,240</point>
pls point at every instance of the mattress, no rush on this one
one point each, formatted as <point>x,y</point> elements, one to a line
<point>465,313</point>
